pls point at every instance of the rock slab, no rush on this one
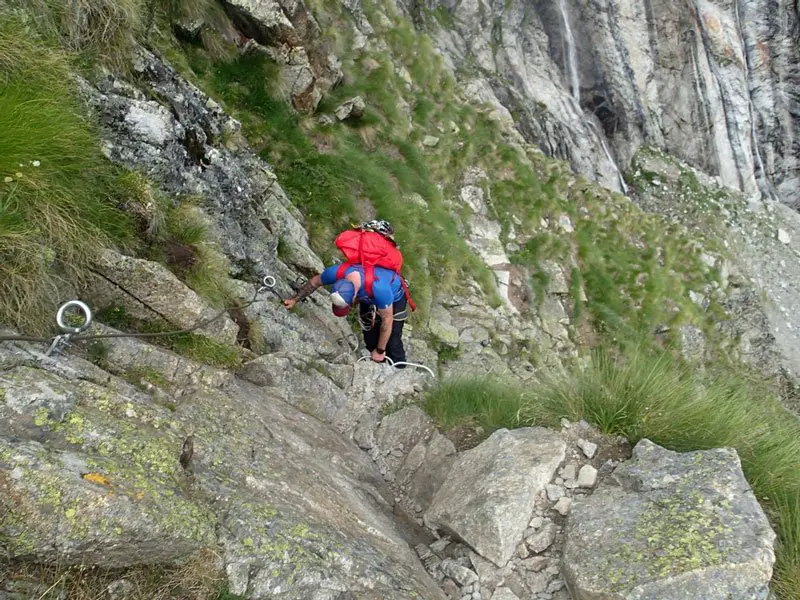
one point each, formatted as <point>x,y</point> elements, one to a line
<point>672,526</point>
<point>489,494</point>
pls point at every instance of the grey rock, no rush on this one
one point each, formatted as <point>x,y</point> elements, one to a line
<point>297,381</point>
<point>440,326</point>
<point>460,574</point>
<point>292,37</point>
<point>439,545</point>
<point>512,467</point>
<point>588,448</point>
<point>537,582</point>
<point>542,539</point>
<point>351,109</point>
<point>149,291</point>
<point>98,482</point>
<point>488,574</point>
<point>535,564</point>
<point>698,505</point>
<point>430,141</point>
<point>587,476</point>
<point>121,589</point>
<point>522,550</point>
<point>554,492</point>
<point>503,593</point>
<point>92,499</point>
<point>396,436</point>
<point>569,471</point>
<point>783,236</point>
<point>556,282</point>
<point>563,505</point>
<point>555,586</point>
<point>151,366</point>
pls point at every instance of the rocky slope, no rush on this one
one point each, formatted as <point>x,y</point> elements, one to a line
<point>164,455</point>
<point>712,83</point>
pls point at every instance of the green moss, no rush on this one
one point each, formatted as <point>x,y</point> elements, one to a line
<point>672,536</point>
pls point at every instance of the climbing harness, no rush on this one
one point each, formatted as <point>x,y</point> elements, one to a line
<point>397,364</point>
<point>367,319</point>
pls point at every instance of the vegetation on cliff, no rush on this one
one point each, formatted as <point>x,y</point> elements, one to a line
<point>61,202</point>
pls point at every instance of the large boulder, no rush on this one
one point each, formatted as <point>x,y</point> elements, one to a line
<point>97,481</point>
<point>411,454</point>
<point>292,37</point>
<point>149,291</point>
<point>670,526</point>
<point>489,495</point>
<point>96,472</point>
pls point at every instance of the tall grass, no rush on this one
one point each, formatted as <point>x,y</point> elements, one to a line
<point>197,578</point>
<point>57,192</point>
<point>103,30</point>
<point>651,395</point>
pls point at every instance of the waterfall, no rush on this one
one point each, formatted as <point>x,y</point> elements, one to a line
<point>575,83</point>
<point>752,110</point>
<point>607,150</point>
<point>572,55</point>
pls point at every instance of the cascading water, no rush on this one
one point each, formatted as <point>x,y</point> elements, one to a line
<point>753,132</point>
<point>572,55</point>
<point>575,83</point>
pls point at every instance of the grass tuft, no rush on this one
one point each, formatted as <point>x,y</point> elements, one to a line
<point>199,578</point>
<point>102,30</point>
<point>484,402</point>
<point>58,194</point>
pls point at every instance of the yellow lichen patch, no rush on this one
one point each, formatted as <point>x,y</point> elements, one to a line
<point>97,478</point>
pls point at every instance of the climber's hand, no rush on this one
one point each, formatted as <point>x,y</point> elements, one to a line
<point>377,356</point>
<point>290,303</point>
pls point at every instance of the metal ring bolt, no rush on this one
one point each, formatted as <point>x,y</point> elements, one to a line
<point>87,314</point>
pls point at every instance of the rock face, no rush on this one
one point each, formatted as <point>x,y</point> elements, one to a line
<point>671,526</point>
<point>510,468</point>
<point>757,265</point>
<point>90,472</point>
<point>148,291</point>
<point>289,33</point>
<point>714,83</point>
<point>186,143</point>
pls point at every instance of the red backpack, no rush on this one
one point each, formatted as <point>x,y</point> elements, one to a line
<point>370,249</point>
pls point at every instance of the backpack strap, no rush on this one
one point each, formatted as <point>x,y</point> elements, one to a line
<point>408,294</point>
<point>369,278</point>
<point>342,270</point>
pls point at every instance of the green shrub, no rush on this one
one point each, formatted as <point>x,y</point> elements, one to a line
<point>58,194</point>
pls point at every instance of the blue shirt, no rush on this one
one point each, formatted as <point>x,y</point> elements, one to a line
<point>386,289</point>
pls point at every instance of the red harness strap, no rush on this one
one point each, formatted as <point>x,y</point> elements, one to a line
<point>369,280</point>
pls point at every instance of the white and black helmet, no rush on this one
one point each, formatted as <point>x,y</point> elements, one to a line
<point>379,226</point>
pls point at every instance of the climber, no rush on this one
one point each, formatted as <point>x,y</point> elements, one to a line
<point>382,313</point>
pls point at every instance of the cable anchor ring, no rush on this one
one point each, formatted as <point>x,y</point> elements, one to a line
<point>62,340</point>
<point>268,283</point>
